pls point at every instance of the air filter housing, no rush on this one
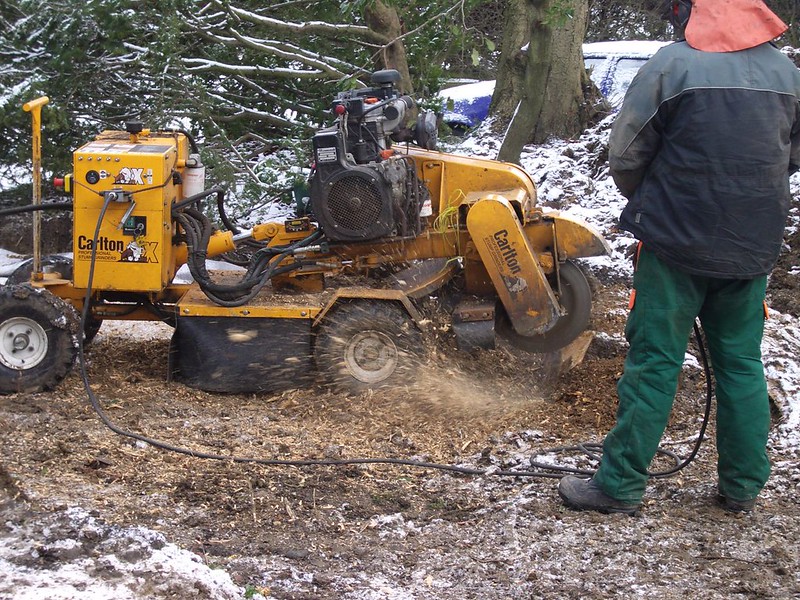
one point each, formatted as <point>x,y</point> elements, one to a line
<point>352,204</point>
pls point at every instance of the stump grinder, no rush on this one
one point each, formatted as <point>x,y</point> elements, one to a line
<point>333,292</point>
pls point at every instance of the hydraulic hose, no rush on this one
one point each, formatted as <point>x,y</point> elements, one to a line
<point>220,193</point>
<point>263,265</point>
<point>189,137</point>
<point>189,200</point>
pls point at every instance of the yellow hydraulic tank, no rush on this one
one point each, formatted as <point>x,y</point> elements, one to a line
<point>140,176</point>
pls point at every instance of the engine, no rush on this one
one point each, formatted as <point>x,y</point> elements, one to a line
<point>361,189</point>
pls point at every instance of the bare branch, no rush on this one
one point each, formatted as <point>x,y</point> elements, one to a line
<point>238,110</point>
<point>271,96</point>
<point>459,5</point>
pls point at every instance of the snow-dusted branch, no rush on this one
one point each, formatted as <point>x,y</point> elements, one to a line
<point>459,5</point>
<point>290,52</point>
<point>307,27</point>
<point>204,65</point>
<point>238,110</point>
<point>266,94</point>
<point>324,66</point>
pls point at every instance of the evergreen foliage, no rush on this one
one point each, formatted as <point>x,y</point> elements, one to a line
<point>243,77</point>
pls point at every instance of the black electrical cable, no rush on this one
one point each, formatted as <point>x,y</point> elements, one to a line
<point>595,450</point>
<point>545,471</point>
<point>138,191</point>
<point>34,207</point>
<point>706,413</point>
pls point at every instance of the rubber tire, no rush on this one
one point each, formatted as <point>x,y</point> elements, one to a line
<point>576,298</point>
<point>346,343</point>
<point>22,274</point>
<point>60,323</point>
<point>62,264</point>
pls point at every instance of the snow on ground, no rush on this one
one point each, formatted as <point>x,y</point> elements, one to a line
<point>121,556</point>
<point>8,262</point>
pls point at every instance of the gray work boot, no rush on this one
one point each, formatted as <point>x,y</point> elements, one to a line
<point>736,506</point>
<point>585,494</point>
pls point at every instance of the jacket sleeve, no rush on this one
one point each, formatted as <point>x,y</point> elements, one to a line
<point>636,133</point>
<point>794,156</point>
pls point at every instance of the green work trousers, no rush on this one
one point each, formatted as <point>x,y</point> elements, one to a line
<point>731,311</point>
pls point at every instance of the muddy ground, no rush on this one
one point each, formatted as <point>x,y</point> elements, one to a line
<point>376,531</point>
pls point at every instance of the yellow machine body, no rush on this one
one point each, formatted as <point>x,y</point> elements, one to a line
<point>456,181</point>
<point>134,246</point>
<point>483,211</point>
<point>512,264</point>
<point>314,308</point>
<point>329,292</point>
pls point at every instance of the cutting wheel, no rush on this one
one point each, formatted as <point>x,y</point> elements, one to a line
<point>575,297</point>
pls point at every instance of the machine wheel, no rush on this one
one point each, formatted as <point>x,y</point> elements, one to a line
<point>62,264</point>
<point>366,345</point>
<point>22,274</point>
<point>38,339</point>
<point>576,298</point>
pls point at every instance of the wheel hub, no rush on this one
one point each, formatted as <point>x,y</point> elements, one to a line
<point>371,356</point>
<point>23,343</point>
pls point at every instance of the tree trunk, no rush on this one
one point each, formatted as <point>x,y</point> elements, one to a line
<point>545,94</point>
<point>513,61</point>
<point>383,19</point>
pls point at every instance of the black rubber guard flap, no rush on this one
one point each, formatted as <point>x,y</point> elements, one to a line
<point>242,354</point>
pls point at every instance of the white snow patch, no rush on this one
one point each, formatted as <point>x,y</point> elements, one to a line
<point>101,562</point>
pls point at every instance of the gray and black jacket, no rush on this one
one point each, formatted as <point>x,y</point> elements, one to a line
<point>702,148</point>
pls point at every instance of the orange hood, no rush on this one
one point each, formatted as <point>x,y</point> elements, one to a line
<point>730,25</point>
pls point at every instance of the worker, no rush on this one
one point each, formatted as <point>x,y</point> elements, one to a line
<point>702,148</point>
